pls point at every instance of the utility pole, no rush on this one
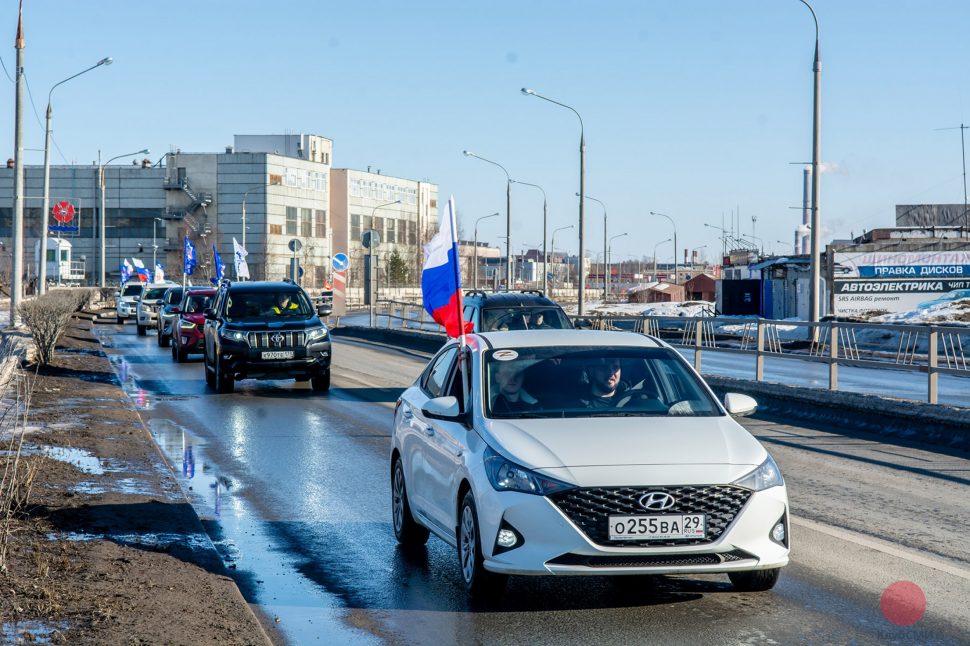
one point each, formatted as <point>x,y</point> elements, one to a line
<point>963,149</point>
<point>17,269</point>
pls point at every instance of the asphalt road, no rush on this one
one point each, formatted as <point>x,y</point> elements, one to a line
<point>293,487</point>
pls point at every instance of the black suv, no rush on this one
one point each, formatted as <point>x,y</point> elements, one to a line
<point>264,330</point>
<point>526,310</point>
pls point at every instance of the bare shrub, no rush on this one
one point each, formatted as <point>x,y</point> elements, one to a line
<point>47,318</point>
<point>16,475</point>
<point>81,297</point>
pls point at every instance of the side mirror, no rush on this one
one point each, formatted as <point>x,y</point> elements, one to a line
<point>176,310</point>
<point>443,408</point>
<point>209,314</point>
<point>324,309</point>
<point>740,405</point>
<point>117,294</point>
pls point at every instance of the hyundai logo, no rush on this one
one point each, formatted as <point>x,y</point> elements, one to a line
<point>277,339</point>
<point>656,501</point>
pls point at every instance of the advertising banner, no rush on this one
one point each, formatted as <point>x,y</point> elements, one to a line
<point>904,264</point>
<point>859,296</point>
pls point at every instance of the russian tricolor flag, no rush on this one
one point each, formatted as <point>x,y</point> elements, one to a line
<point>441,278</point>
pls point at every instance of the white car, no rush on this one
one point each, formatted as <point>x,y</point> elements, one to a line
<point>147,305</point>
<point>573,452</point>
<point>127,301</point>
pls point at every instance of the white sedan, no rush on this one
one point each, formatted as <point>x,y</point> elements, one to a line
<point>569,452</point>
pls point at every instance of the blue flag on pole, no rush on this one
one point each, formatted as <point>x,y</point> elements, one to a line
<point>220,266</point>
<point>190,260</point>
<point>125,272</point>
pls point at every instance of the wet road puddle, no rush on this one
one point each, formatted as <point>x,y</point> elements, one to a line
<point>32,632</point>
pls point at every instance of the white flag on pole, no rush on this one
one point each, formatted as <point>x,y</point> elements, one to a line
<point>239,259</point>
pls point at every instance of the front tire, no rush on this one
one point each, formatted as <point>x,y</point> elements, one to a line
<point>142,331</point>
<point>479,582</point>
<point>321,382</point>
<point>163,340</point>
<point>120,320</point>
<point>210,378</point>
<point>407,532</point>
<point>180,355</point>
<point>756,581</point>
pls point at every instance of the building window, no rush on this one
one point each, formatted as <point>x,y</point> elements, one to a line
<point>391,231</point>
<point>276,229</point>
<point>306,223</point>
<point>412,233</point>
<point>354,227</point>
<point>379,226</point>
<point>321,223</point>
<point>291,220</point>
<point>275,180</point>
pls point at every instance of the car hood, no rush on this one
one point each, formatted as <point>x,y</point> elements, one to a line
<point>273,326</point>
<point>195,317</point>
<point>576,443</point>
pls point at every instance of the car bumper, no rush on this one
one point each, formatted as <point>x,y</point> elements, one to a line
<point>307,362</point>
<point>165,325</point>
<point>552,544</point>
<point>191,341</point>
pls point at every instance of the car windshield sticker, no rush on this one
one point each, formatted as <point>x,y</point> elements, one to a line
<point>505,355</point>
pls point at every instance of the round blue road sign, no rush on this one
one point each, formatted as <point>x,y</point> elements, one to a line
<point>340,262</point>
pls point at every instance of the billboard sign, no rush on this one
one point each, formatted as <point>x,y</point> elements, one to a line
<point>854,297</point>
<point>904,264</point>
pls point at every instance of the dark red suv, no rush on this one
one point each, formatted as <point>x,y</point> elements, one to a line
<point>187,329</point>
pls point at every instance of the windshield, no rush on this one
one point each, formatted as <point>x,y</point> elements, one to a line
<point>132,290</point>
<point>524,318</point>
<point>173,296</point>
<point>197,303</point>
<point>154,294</point>
<point>592,382</point>
<point>267,306</point>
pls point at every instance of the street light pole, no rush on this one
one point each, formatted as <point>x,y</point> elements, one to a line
<point>582,194</point>
<point>608,249</point>
<point>571,226</point>
<point>154,244</point>
<point>655,256</point>
<point>508,216</point>
<point>676,252</point>
<point>143,151</point>
<point>815,293</point>
<point>606,279</point>
<point>245,194</point>
<point>44,214</point>
<point>545,225</point>
<point>17,262</point>
<point>484,217</point>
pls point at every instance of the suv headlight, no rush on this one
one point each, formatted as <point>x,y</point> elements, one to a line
<point>766,476</point>
<point>316,334</point>
<point>505,475</point>
<point>234,335</point>
<point>186,325</point>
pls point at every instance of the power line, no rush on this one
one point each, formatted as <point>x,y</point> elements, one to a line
<point>4,65</point>
<point>40,123</point>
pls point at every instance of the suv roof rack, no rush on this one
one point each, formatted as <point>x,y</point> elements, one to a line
<point>476,292</point>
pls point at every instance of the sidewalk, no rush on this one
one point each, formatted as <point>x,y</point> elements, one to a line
<point>108,550</point>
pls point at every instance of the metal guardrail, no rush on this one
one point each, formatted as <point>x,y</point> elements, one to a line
<point>928,349</point>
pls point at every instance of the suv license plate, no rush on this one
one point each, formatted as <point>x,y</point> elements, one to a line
<point>670,527</point>
<point>280,354</point>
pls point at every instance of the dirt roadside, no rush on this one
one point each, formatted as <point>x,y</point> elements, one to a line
<point>107,550</point>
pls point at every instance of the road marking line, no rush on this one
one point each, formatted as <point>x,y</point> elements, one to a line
<point>883,546</point>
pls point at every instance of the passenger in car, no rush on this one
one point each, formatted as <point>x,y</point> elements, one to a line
<point>510,397</point>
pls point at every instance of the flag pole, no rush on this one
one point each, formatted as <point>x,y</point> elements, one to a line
<point>462,366</point>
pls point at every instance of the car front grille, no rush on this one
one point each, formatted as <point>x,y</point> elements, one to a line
<point>651,560</point>
<point>590,509</point>
<point>264,340</point>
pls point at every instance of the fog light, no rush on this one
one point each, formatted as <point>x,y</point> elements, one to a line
<point>778,533</point>
<point>507,538</point>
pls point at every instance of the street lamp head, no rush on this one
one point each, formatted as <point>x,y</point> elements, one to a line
<point>107,60</point>
<point>528,91</point>
<point>144,152</point>
<point>467,153</point>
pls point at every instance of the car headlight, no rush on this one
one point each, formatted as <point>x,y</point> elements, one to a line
<point>186,325</point>
<point>766,476</point>
<point>505,475</point>
<point>315,334</point>
<point>233,335</point>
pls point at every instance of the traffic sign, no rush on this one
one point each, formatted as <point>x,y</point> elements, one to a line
<point>340,262</point>
<point>370,239</point>
<point>295,245</point>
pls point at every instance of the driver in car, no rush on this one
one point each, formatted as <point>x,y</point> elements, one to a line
<point>284,305</point>
<point>511,397</point>
<point>606,389</point>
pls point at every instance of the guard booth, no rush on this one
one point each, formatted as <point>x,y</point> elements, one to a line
<point>62,269</point>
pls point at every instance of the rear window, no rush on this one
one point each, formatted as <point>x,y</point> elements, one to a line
<point>154,294</point>
<point>197,303</point>
<point>524,318</point>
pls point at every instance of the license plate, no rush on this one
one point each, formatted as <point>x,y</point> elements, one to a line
<point>279,354</point>
<point>668,527</point>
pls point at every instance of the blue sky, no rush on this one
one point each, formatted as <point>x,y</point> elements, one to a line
<point>693,108</point>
